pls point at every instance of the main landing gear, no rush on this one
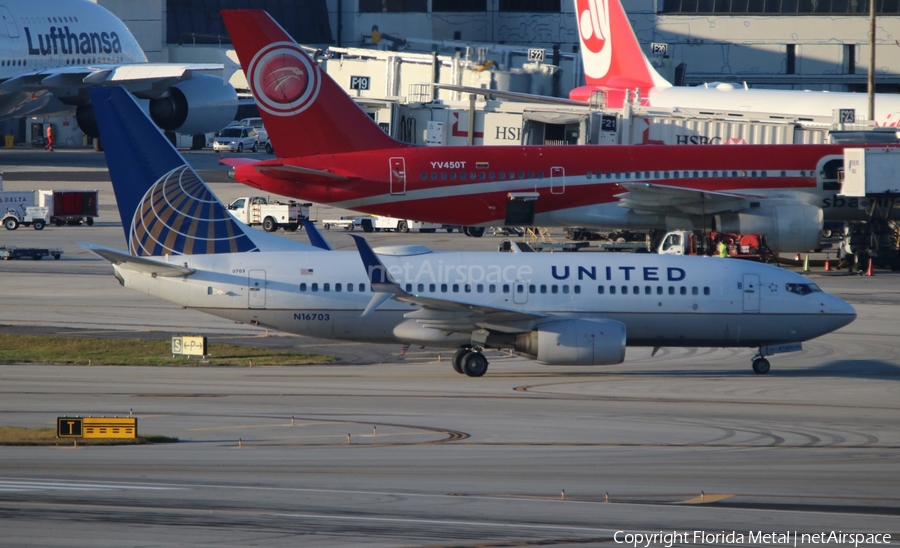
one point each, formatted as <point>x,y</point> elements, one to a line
<point>470,361</point>
<point>760,365</point>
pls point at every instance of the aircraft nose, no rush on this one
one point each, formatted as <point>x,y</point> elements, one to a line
<point>841,308</point>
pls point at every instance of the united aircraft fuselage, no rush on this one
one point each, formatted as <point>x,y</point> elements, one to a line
<point>662,301</point>
<point>558,309</point>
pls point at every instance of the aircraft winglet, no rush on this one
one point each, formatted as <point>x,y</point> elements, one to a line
<point>315,237</point>
<point>382,283</point>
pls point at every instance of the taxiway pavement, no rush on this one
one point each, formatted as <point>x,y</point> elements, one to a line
<point>687,440</point>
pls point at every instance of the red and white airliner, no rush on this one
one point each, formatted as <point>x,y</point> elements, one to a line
<point>333,153</point>
<point>615,64</point>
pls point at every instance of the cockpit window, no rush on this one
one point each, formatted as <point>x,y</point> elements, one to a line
<point>802,289</point>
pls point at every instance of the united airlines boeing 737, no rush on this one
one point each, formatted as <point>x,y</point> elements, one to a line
<point>558,309</point>
<point>52,51</point>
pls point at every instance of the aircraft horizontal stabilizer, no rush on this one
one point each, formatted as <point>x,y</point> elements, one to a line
<point>648,197</point>
<point>236,162</point>
<point>138,264</point>
<point>512,95</point>
<point>290,173</point>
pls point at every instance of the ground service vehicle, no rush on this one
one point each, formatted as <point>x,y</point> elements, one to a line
<point>389,224</point>
<point>236,139</point>
<point>377,223</point>
<point>36,253</point>
<point>35,216</point>
<point>258,210</point>
<point>694,242</point>
<point>70,206</point>
<point>262,135</point>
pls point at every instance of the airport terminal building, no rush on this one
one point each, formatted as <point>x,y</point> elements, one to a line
<point>801,44</point>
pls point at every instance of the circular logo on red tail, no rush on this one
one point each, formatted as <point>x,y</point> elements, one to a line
<point>284,80</point>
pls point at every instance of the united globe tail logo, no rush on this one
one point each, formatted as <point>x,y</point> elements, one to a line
<point>283,79</point>
<point>593,25</point>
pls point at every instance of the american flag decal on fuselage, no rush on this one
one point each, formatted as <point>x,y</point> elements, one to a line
<point>179,215</point>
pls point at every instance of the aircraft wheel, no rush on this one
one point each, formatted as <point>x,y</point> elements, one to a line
<point>11,223</point>
<point>465,230</point>
<point>38,225</point>
<point>476,231</point>
<point>457,360</point>
<point>761,366</point>
<point>269,224</point>
<point>475,364</point>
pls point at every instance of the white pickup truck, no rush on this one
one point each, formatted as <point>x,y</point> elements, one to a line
<point>272,215</point>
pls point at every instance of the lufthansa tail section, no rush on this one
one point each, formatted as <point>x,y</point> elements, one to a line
<point>165,208</point>
<point>305,111</point>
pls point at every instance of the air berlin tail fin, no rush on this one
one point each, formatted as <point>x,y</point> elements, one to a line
<point>304,110</point>
<point>612,56</point>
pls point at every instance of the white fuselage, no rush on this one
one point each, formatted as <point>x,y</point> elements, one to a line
<point>52,34</point>
<point>791,103</point>
<point>663,301</point>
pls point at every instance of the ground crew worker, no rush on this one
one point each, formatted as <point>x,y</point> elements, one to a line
<point>722,249</point>
<point>49,145</point>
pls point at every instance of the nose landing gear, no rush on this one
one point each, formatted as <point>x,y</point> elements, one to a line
<point>760,365</point>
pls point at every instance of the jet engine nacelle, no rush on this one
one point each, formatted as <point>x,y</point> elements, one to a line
<point>413,332</point>
<point>202,104</point>
<point>575,342</point>
<point>789,228</point>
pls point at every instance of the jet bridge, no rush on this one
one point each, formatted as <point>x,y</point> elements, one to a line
<point>873,176</point>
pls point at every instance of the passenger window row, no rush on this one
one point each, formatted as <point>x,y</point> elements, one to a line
<point>554,289</point>
<point>480,175</point>
<point>640,175</point>
<point>707,174</point>
<point>337,288</point>
<point>649,290</point>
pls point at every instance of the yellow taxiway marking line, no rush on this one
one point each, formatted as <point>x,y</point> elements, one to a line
<point>712,497</point>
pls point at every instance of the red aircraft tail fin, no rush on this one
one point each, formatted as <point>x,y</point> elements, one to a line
<point>610,52</point>
<point>304,110</point>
